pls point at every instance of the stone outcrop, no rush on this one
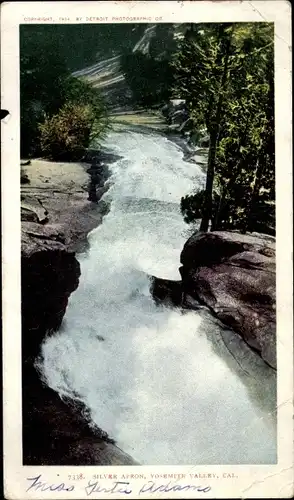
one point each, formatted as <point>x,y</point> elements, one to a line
<point>234,275</point>
<point>49,274</point>
<point>66,195</point>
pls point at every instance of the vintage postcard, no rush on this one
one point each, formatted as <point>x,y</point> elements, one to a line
<point>147,249</point>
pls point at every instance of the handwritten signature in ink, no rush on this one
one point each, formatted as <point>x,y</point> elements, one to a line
<point>37,484</point>
<point>124,487</point>
<point>152,487</point>
<point>121,487</point>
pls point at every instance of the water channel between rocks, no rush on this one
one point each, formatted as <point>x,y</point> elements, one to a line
<point>170,387</point>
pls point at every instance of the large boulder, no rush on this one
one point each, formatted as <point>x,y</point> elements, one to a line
<point>49,274</point>
<point>234,275</point>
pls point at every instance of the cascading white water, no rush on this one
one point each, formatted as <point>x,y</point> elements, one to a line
<point>163,383</point>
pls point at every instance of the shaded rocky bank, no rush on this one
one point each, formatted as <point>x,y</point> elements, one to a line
<point>58,431</point>
<point>50,273</point>
<point>60,204</point>
<point>58,210</point>
<point>234,276</point>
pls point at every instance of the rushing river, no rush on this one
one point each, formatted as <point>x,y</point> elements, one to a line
<point>170,387</point>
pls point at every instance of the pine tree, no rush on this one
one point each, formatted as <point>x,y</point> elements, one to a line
<point>225,73</point>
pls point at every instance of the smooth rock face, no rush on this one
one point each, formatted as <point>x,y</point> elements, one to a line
<point>49,274</point>
<point>65,196</point>
<point>234,275</point>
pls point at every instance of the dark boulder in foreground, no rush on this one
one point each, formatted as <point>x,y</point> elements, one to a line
<point>49,274</point>
<point>235,276</point>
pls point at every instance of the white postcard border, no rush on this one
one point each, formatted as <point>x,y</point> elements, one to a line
<point>274,481</point>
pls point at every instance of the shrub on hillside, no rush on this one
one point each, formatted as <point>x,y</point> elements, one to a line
<point>46,86</point>
<point>67,134</point>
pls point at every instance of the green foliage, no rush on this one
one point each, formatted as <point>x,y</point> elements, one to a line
<point>198,67</point>
<point>80,93</point>
<point>41,72</point>
<point>46,88</point>
<point>65,135</point>
<point>148,79</point>
<point>230,92</point>
<point>149,75</point>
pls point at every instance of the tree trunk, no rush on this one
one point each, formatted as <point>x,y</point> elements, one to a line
<point>214,135</point>
<point>217,219</point>
<point>207,212</point>
<point>249,222</point>
<point>227,187</point>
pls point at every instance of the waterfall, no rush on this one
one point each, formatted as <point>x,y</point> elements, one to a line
<point>171,387</point>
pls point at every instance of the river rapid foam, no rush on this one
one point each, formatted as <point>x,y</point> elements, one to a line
<point>163,383</point>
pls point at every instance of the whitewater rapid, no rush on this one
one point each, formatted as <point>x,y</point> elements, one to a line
<point>169,387</point>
